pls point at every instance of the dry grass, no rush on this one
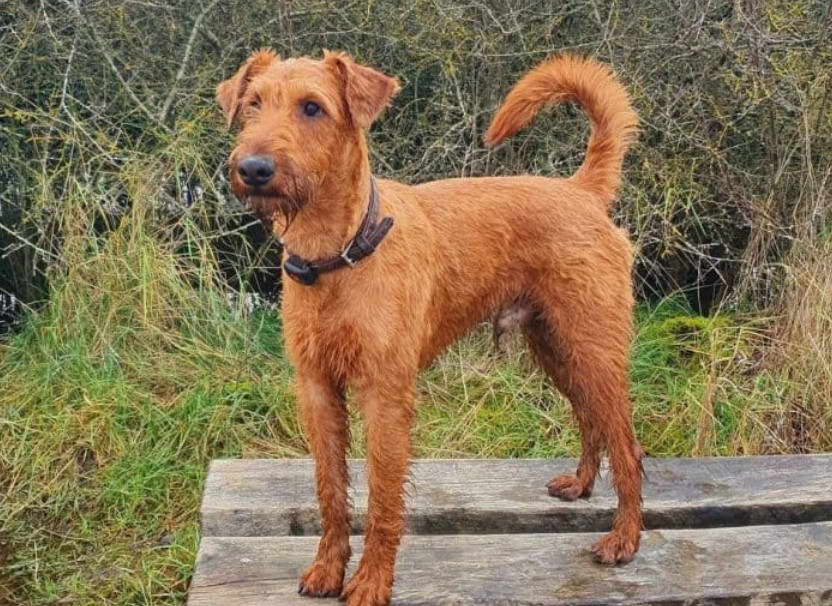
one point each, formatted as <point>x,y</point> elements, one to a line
<point>140,370</point>
<point>135,366</point>
<point>804,355</point>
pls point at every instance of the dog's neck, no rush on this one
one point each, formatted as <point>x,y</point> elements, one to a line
<point>326,224</point>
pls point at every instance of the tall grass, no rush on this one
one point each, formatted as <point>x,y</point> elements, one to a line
<point>804,356</point>
<point>140,358</point>
<point>141,368</point>
<point>137,372</point>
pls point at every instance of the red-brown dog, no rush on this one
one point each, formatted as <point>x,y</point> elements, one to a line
<point>386,275</point>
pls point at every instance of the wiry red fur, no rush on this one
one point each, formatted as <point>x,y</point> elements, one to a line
<point>593,85</point>
<point>460,250</point>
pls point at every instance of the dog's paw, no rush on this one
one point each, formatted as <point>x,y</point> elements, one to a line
<point>567,487</point>
<point>322,581</point>
<point>617,547</point>
<point>365,589</point>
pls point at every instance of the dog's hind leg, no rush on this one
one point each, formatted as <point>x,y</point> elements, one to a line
<point>324,415</point>
<point>584,347</point>
<point>578,485</point>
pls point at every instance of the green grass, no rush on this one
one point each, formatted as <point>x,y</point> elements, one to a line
<point>139,371</point>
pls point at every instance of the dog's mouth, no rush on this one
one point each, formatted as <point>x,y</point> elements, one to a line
<point>276,194</point>
<point>266,203</point>
<point>271,203</point>
<point>285,195</point>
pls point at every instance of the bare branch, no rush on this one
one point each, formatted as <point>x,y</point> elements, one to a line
<point>102,48</point>
<point>163,113</point>
<point>29,243</point>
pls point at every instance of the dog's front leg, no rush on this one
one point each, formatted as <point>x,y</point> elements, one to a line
<point>324,416</point>
<point>388,415</point>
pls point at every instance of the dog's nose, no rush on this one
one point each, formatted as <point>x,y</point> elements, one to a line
<point>256,170</point>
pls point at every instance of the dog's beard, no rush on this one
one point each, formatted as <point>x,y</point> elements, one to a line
<point>284,201</point>
<point>299,190</point>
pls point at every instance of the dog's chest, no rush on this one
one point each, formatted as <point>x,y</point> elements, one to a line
<point>328,337</point>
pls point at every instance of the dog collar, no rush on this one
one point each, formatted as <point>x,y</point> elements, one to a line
<point>369,235</point>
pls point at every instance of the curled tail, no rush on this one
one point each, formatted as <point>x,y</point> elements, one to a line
<point>594,86</point>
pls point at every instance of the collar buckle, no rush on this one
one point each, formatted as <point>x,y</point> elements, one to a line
<point>345,255</point>
<point>370,234</point>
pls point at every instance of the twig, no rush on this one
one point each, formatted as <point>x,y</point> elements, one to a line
<point>231,232</point>
<point>101,47</point>
<point>68,68</point>
<point>185,58</point>
<point>29,243</point>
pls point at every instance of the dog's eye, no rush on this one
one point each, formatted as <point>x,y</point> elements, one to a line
<point>255,103</point>
<point>311,109</point>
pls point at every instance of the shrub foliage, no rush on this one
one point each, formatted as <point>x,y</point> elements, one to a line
<point>733,162</point>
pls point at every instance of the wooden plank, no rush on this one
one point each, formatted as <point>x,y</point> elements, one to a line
<point>783,565</point>
<point>276,497</point>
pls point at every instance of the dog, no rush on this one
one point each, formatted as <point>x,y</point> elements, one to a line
<point>383,276</point>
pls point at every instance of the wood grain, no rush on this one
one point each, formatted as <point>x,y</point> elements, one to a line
<point>276,497</point>
<point>779,565</point>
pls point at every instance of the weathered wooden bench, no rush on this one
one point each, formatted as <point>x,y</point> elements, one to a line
<point>754,530</point>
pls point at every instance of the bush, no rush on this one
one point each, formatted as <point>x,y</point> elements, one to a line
<point>734,99</point>
<point>141,359</point>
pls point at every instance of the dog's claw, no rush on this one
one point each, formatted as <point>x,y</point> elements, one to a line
<point>615,548</point>
<point>320,594</point>
<point>303,590</point>
<point>567,487</point>
<point>321,581</point>
<point>366,590</point>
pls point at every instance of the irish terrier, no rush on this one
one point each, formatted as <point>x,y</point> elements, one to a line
<point>384,276</point>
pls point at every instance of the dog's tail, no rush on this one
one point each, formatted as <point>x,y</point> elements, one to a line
<point>594,86</point>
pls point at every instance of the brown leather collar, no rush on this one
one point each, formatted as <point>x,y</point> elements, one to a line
<point>367,238</point>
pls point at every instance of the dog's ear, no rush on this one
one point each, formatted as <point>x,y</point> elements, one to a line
<point>229,92</point>
<point>366,91</point>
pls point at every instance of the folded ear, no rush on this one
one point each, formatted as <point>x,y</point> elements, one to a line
<point>366,91</point>
<point>229,92</point>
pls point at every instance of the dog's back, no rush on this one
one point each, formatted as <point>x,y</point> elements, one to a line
<point>493,237</point>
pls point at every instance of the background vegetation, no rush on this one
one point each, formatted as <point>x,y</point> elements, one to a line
<point>137,293</point>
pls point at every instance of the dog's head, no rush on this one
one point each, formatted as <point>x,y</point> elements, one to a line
<point>302,124</point>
